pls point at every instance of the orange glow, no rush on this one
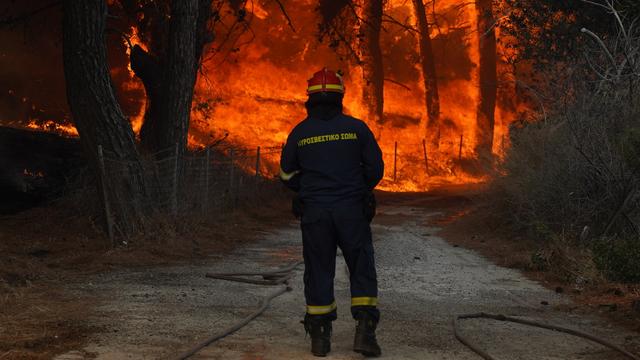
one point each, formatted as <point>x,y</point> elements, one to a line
<point>132,40</point>
<point>258,97</point>
<point>254,90</point>
<point>52,126</point>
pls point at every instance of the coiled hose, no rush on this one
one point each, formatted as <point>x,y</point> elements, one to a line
<point>277,277</point>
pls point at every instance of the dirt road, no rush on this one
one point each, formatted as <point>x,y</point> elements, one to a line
<point>156,313</point>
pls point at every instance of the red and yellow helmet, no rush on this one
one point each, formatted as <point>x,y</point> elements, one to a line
<point>325,80</point>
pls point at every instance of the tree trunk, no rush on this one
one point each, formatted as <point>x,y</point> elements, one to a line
<point>149,70</point>
<point>488,79</point>
<point>170,80</point>
<point>96,112</point>
<point>371,61</point>
<point>432,98</point>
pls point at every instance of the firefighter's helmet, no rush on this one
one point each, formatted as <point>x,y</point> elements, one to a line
<point>325,80</point>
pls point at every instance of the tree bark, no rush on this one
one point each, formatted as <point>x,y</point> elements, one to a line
<point>371,61</point>
<point>169,72</point>
<point>432,98</point>
<point>96,112</point>
<point>170,81</point>
<point>488,79</point>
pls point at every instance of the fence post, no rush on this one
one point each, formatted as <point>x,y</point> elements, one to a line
<point>105,198</point>
<point>460,149</point>
<point>395,162</point>
<point>258,163</point>
<point>231,173</point>
<point>239,188</point>
<point>207,164</point>
<point>174,190</point>
<point>426,158</point>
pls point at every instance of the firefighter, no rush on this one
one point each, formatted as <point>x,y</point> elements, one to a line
<point>333,162</point>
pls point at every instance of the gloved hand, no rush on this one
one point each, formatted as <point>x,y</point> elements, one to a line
<point>369,206</point>
<point>297,206</point>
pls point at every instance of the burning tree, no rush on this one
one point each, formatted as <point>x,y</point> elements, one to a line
<point>369,27</point>
<point>340,20</point>
<point>176,35</point>
<point>488,78</point>
<point>429,76</point>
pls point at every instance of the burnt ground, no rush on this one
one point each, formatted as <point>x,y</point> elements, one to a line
<point>153,301</point>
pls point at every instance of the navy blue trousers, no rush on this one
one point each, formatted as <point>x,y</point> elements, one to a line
<point>323,230</point>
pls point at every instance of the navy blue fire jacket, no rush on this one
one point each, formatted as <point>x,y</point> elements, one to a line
<point>331,162</point>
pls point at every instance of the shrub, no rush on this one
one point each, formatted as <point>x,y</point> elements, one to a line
<point>618,260</point>
<point>578,169</point>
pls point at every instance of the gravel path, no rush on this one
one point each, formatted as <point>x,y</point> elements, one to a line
<point>158,312</point>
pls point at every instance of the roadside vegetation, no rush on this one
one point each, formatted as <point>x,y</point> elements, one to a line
<point>571,178</point>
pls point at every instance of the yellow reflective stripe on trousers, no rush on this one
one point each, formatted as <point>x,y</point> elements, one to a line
<point>320,310</point>
<point>364,301</point>
<point>287,176</point>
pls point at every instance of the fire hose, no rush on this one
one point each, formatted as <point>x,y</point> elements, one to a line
<point>281,276</point>
<point>573,332</point>
<point>277,277</point>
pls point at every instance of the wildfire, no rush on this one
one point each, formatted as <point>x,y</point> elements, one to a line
<point>254,91</point>
<point>258,97</point>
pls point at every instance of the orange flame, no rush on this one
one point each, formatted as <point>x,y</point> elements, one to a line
<point>255,91</point>
<point>52,126</point>
<point>258,96</point>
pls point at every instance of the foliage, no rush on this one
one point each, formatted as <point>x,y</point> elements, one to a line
<point>574,173</point>
<point>571,171</point>
<point>548,31</point>
<point>618,260</point>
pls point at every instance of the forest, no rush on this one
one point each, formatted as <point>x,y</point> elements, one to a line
<point>149,132</point>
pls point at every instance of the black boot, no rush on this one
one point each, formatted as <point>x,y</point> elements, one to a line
<point>320,331</point>
<point>365,341</point>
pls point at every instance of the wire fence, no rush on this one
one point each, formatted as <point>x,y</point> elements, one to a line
<point>219,178</point>
<point>204,182</point>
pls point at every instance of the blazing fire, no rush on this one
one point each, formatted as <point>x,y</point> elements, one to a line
<point>258,96</point>
<point>52,126</point>
<point>253,93</point>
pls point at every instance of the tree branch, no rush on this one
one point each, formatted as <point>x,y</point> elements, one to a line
<point>25,17</point>
<point>398,83</point>
<point>601,43</point>
<point>392,20</point>
<point>286,15</point>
